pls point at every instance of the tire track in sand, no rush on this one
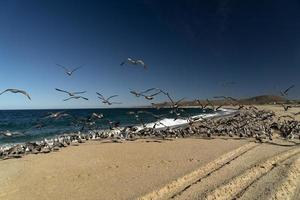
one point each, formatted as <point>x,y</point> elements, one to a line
<point>236,186</point>
<point>288,187</point>
<point>181,184</point>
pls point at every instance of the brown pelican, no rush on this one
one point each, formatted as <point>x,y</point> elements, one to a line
<point>134,62</point>
<point>76,97</point>
<point>17,91</point>
<point>67,71</point>
<point>106,101</point>
<point>285,92</point>
<point>70,93</point>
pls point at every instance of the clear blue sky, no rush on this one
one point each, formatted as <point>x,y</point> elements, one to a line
<point>191,48</point>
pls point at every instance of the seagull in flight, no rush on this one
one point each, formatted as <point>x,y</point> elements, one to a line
<point>151,97</point>
<point>17,91</point>
<point>138,94</point>
<point>76,97</point>
<point>67,71</point>
<point>285,92</point>
<point>56,115</point>
<point>106,100</point>
<point>134,62</point>
<point>70,93</point>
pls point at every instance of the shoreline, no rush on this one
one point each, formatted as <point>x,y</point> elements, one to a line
<point>192,166</point>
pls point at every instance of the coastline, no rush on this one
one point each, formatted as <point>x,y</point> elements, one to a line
<point>155,168</point>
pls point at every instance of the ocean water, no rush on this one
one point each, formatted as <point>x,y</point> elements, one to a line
<point>22,122</point>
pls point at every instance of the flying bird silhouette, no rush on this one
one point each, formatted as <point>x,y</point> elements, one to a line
<point>76,97</point>
<point>134,62</point>
<point>106,100</point>
<point>285,92</point>
<point>70,93</point>
<point>68,71</point>
<point>17,91</point>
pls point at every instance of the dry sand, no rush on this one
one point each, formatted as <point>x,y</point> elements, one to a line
<point>157,169</point>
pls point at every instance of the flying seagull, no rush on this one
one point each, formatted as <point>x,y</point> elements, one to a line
<point>17,91</point>
<point>134,62</point>
<point>76,97</point>
<point>285,92</point>
<point>151,97</point>
<point>56,115</point>
<point>69,72</point>
<point>138,94</point>
<point>106,100</point>
<point>70,93</point>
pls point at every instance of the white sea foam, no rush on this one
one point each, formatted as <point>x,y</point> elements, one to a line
<point>170,122</point>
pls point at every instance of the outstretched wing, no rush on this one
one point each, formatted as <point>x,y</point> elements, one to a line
<point>79,92</point>
<point>76,69</point>
<point>68,98</point>
<point>148,90</point>
<point>112,97</point>
<point>285,92</point>
<point>5,91</point>
<point>25,93</point>
<point>100,95</point>
<point>62,90</point>
<point>84,98</point>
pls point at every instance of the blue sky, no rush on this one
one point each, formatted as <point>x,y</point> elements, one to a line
<point>191,48</point>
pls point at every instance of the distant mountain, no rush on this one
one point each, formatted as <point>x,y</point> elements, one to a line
<point>262,99</point>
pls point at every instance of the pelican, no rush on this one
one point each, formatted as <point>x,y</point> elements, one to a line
<point>17,91</point>
<point>134,62</point>
<point>285,92</point>
<point>76,97</point>
<point>67,71</point>
<point>70,93</point>
<point>106,100</point>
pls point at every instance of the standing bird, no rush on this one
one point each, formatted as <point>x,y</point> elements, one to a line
<point>67,71</point>
<point>106,100</point>
<point>17,91</point>
<point>134,62</point>
<point>286,107</point>
<point>70,93</point>
<point>285,92</point>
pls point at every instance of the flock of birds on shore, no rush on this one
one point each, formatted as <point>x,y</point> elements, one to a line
<point>246,121</point>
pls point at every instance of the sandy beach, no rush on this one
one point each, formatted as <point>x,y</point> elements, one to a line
<point>183,168</point>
